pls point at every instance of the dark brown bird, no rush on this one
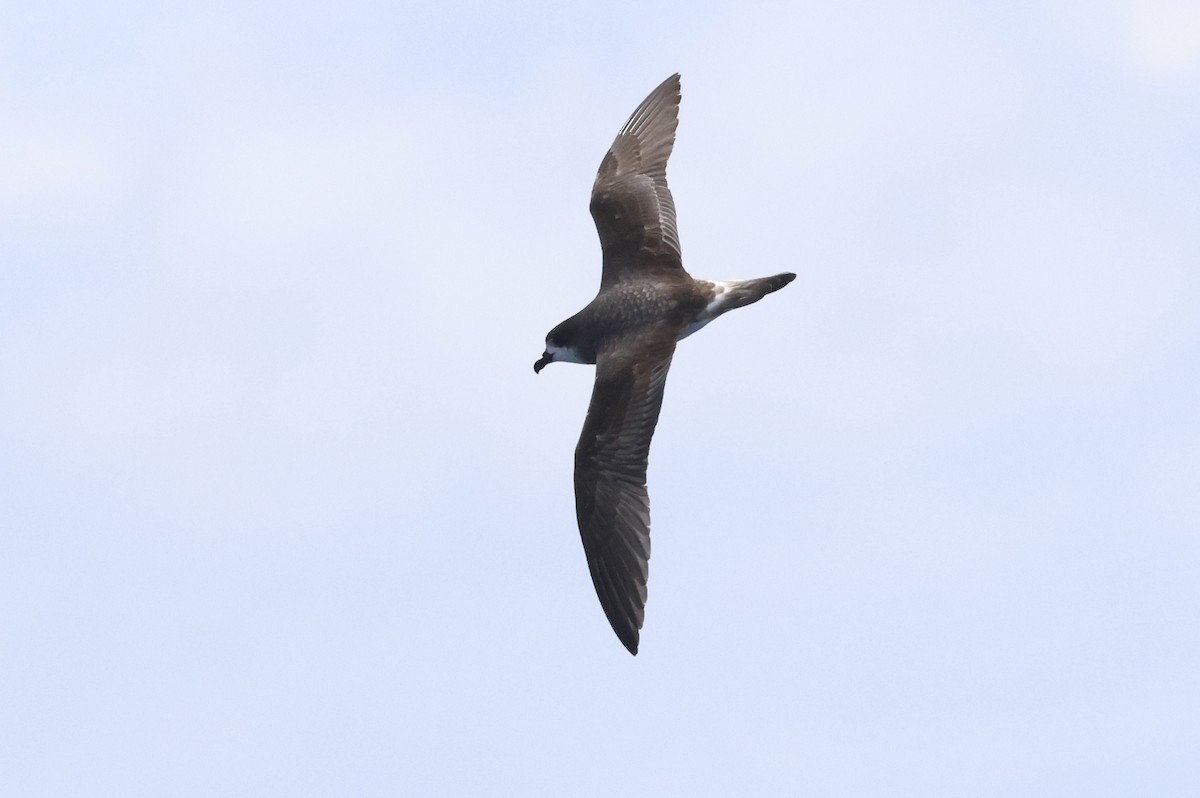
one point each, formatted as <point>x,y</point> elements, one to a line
<point>646,303</point>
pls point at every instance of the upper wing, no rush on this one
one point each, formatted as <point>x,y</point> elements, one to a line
<point>611,502</point>
<point>631,204</point>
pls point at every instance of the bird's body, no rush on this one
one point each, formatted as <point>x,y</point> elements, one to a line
<point>646,304</point>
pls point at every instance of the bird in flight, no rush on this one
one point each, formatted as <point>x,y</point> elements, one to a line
<point>646,304</point>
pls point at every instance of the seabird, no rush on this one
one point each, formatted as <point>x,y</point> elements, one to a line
<point>646,304</point>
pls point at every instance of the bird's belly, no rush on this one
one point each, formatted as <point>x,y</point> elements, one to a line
<point>715,307</point>
<point>691,328</point>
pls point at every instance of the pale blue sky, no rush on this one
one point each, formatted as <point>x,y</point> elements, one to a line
<point>285,510</point>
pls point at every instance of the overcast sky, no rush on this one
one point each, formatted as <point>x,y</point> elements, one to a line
<point>285,511</point>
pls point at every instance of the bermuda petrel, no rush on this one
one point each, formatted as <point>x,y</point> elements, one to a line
<point>646,303</point>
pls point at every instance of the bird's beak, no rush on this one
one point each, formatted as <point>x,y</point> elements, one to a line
<point>542,361</point>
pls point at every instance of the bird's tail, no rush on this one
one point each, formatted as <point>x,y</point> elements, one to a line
<point>739,293</point>
<point>746,292</point>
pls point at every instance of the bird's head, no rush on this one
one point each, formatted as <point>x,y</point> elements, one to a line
<point>558,349</point>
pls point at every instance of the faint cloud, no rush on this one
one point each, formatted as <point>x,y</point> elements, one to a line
<point>272,176</point>
<point>1165,36</point>
<point>1155,38</point>
<point>1065,281</point>
<point>71,168</point>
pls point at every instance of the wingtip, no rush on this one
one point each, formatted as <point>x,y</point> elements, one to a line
<point>629,636</point>
<point>672,84</point>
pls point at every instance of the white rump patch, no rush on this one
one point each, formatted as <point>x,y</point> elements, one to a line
<point>712,309</point>
<point>720,287</point>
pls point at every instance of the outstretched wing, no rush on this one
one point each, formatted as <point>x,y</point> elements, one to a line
<point>631,204</point>
<point>611,501</point>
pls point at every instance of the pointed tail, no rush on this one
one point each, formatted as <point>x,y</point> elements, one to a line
<point>739,293</point>
<point>727,296</point>
<point>746,292</point>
